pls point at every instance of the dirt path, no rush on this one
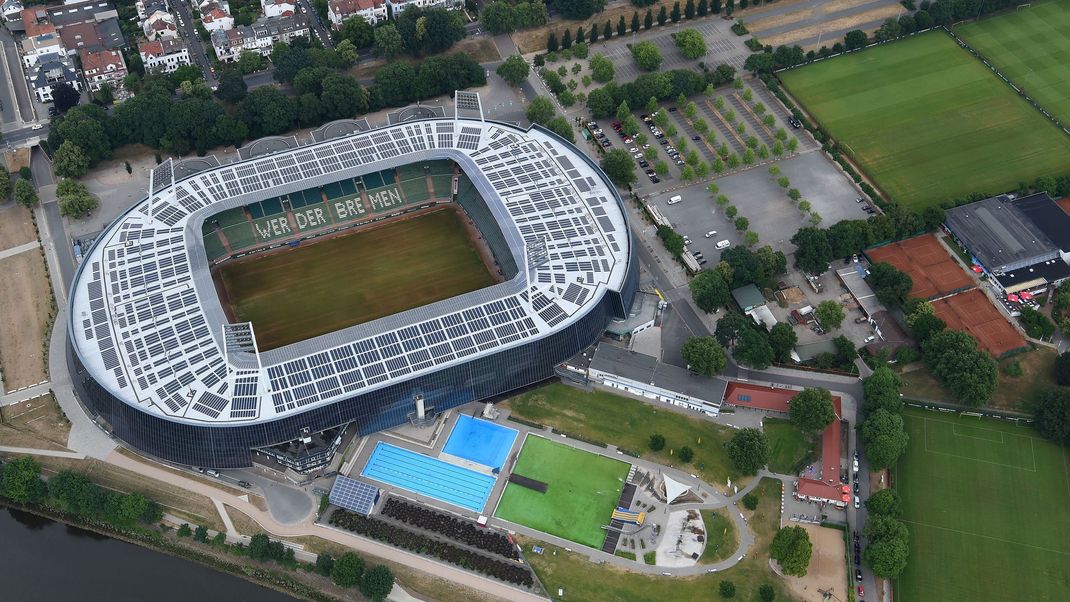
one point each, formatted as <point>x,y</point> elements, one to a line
<point>844,23</point>
<point>828,566</point>
<point>26,300</point>
<point>16,227</point>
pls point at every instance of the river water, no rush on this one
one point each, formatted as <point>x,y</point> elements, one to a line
<point>41,559</point>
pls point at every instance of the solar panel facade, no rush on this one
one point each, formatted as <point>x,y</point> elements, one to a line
<point>354,495</point>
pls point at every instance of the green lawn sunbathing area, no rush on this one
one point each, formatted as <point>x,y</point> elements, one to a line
<point>987,504</point>
<point>1031,48</point>
<point>582,491</point>
<point>929,122</point>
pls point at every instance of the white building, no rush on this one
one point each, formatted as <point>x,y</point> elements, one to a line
<point>216,15</point>
<point>51,71</point>
<point>145,8</point>
<point>160,25</point>
<point>164,55</point>
<point>260,37</point>
<point>11,10</point>
<point>278,8</point>
<point>33,49</point>
<point>396,6</point>
<point>372,11</point>
<point>644,376</point>
<point>103,67</point>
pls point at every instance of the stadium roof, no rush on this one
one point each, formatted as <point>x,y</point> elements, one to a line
<point>146,322</point>
<point>1004,234</point>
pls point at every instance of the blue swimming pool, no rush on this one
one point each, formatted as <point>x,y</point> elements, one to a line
<point>480,441</point>
<point>429,476</point>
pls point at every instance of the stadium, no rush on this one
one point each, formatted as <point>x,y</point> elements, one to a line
<point>389,272</point>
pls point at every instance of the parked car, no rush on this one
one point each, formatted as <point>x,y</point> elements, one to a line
<point>633,150</point>
<point>679,161</point>
<point>628,140</point>
<point>858,504</point>
<point>637,155</point>
<point>662,141</point>
<point>606,143</point>
<point>711,234</point>
<point>212,473</point>
<point>655,179</point>
<point>687,240</point>
<point>245,484</point>
<point>696,138</point>
<point>861,591</point>
<point>858,575</point>
<point>643,163</point>
<point>672,109</point>
<point>795,123</point>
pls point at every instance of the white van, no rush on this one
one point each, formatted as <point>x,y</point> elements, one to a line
<point>724,244</point>
<point>675,199</point>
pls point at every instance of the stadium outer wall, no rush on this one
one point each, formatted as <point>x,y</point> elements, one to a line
<point>232,446</point>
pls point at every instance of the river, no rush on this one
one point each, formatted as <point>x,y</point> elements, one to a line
<point>41,559</point>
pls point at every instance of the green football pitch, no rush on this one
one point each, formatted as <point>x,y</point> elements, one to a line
<point>987,504</point>
<point>329,285</point>
<point>928,121</point>
<point>1031,47</point>
<point>582,491</point>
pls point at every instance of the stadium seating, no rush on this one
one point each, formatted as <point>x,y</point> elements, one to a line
<point>473,204</point>
<point>213,247</point>
<point>235,226</point>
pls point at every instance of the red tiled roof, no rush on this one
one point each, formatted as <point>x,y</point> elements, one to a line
<point>92,61</point>
<point>819,489</point>
<point>36,22</point>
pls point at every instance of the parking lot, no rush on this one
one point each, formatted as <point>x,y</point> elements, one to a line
<point>722,46</point>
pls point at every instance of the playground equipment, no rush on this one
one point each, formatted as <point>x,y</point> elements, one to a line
<point>626,516</point>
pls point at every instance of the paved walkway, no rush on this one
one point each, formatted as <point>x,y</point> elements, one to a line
<point>27,451</point>
<point>19,249</point>
<point>20,395</point>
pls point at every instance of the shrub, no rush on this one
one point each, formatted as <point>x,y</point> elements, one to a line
<point>656,442</point>
<point>750,501</point>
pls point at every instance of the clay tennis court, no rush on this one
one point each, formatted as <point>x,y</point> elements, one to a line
<point>934,272</point>
<point>973,312</point>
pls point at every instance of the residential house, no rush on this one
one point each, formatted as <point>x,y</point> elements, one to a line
<point>260,37</point>
<point>160,25</point>
<point>36,47</point>
<point>11,10</point>
<point>278,8</point>
<point>35,21</point>
<point>372,11</point>
<point>145,8</point>
<point>397,6</point>
<point>83,36</point>
<point>216,15</point>
<point>51,71</point>
<point>165,55</point>
<point>103,67</point>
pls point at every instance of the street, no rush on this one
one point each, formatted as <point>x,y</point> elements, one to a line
<point>184,20</point>
<point>15,103</point>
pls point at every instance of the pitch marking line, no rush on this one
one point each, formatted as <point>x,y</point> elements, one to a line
<point>955,427</point>
<point>978,427</point>
<point>925,436</point>
<point>1000,539</point>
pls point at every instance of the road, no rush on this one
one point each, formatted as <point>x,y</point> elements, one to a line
<point>15,103</point>
<point>184,20</point>
<point>317,25</point>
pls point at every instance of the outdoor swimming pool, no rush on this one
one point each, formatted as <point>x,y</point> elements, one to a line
<point>480,441</point>
<point>429,476</point>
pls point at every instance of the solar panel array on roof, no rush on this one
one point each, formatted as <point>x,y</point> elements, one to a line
<point>355,496</point>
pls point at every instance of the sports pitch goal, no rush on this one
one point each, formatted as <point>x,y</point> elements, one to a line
<point>987,504</point>
<point>326,286</point>
<point>928,121</point>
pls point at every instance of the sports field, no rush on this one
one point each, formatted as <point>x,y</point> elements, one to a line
<point>988,508</point>
<point>928,121</point>
<point>329,285</point>
<point>582,491</point>
<point>1030,46</point>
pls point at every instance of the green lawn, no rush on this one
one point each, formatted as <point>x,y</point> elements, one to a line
<point>329,285</point>
<point>988,508</point>
<point>1030,46</point>
<point>721,537</point>
<point>583,580</point>
<point>628,423</point>
<point>583,489</point>
<point>1012,393</point>
<point>928,121</point>
<point>788,446</point>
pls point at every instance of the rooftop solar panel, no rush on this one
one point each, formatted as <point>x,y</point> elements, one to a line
<point>355,496</point>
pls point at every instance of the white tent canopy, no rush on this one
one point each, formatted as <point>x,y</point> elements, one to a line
<point>674,489</point>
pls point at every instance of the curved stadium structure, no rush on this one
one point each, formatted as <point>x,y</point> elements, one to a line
<point>162,368</point>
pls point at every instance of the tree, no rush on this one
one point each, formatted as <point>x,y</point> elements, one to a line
<point>1062,362</point>
<point>726,588</point>
<point>566,40</point>
<point>748,449</point>
<point>65,97</point>
<point>782,339</point>
<point>635,22</point>
<point>662,15</point>
<point>648,20</point>
<point>791,548</point>
<point>830,314</point>
<point>704,355</point>
<point>358,32</point>
<point>923,326</point>
<point>25,194</point>
<point>969,373</point>
<point>5,184</point>
<point>20,481</point>
<point>766,593</point>
<point>855,39</point>
<point>622,27</point>
<point>184,530</point>
<point>691,43</point>
<point>647,56</point>
<point>348,568</point>
<point>619,166</point>
<point>377,583</point>
<point>1036,324</point>
<point>883,438</point>
<point>709,291</point>
<point>811,410</point>
<point>656,442</point>
<point>267,111</point>
<point>70,161</point>
<point>760,62</point>
<point>753,350</point>
<point>674,243</point>
<point>730,328</point>
<point>388,42</point>
<point>232,86</point>
<point>813,251</point>
<point>201,534</point>
<point>324,564</point>
<point>579,9</point>
<point>889,284</point>
<point>887,557</point>
<point>74,199</point>
<point>685,454</point>
<point>881,390</point>
<point>540,110</point>
<point>250,61</point>
<point>675,14</point>
<point>1052,415</point>
<point>514,70</point>
<point>601,68</point>
<point>884,503</point>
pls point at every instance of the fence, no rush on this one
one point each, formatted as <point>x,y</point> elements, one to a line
<point>951,408</point>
